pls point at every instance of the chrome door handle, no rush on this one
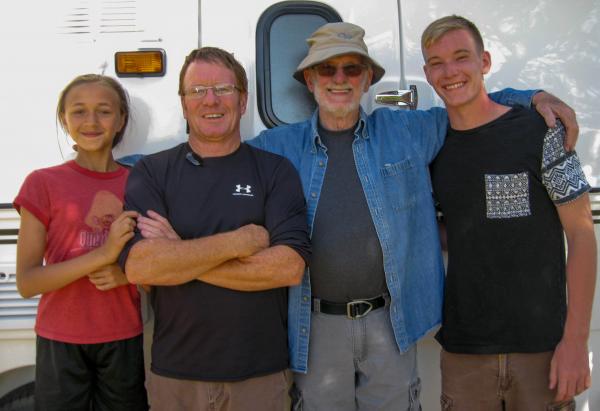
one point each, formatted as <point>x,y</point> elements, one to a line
<point>399,98</point>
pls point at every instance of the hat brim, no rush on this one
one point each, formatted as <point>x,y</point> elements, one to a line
<point>317,57</point>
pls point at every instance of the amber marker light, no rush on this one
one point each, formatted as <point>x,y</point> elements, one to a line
<point>141,63</point>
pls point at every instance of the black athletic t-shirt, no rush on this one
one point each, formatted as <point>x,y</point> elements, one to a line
<point>505,285</point>
<point>204,332</point>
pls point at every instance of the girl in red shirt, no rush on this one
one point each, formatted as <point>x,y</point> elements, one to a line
<point>88,326</point>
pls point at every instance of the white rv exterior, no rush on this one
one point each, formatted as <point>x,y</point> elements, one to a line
<point>547,44</point>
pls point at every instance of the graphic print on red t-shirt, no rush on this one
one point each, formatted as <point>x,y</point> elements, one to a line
<point>103,211</point>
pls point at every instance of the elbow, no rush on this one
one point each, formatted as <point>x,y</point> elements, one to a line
<point>133,272</point>
<point>136,266</point>
<point>296,273</point>
<point>24,292</point>
<point>22,287</point>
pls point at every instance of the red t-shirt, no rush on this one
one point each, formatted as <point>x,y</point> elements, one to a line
<point>77,206</point>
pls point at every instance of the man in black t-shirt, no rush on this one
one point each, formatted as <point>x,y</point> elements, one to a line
<point>225,234</point>
<point>508,191</point>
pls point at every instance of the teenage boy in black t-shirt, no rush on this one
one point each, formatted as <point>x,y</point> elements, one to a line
<point>508,191</point>
<point>219,276</point>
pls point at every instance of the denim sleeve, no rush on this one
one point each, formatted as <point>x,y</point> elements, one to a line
<point>258,141</point>
<point>428,128</point>
<point>512,97</point>
<point>427,131</point>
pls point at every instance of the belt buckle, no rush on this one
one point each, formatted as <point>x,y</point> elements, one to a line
<point>352,304</point>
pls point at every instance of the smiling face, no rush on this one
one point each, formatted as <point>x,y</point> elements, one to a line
<point>338,96</point>
<point>92,116</point>
<point>214,120</point>
<point>454,67</point>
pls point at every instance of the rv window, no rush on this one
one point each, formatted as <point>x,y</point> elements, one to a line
<point>280,46</point>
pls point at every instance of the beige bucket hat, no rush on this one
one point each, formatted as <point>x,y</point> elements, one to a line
<point>336,39</point>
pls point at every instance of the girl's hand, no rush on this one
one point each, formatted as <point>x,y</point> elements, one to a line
<point>108,277</point>
<point>121,231</point>
<point>156,226</point>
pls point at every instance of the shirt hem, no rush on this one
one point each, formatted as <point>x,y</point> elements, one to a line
<point>207,377</point>
<point>89,340</point>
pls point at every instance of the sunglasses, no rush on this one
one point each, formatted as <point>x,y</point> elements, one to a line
<point>350,70</point>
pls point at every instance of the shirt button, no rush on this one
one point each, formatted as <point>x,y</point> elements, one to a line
<point>305,298</point>
<point>321,163</point>
<point>313,195</point>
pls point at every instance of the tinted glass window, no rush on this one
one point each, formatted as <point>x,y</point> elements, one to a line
<point>286,30</point>
<point>281,45</point>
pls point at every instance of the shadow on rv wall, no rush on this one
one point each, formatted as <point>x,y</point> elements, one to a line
<point>548,45</point>
<point>564,60</point>
<point>141,138</point>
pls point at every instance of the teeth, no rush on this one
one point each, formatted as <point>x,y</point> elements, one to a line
<point>454,86</point>
<point>213,115</point>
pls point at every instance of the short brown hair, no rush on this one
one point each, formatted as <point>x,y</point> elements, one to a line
<point>441,26</point>
<point>217,56</point>
<point>105,81</point>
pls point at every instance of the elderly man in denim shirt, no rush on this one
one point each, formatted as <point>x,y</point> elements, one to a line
<point>375,283</point>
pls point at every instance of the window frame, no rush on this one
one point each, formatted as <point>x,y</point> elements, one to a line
<point>263,41</point>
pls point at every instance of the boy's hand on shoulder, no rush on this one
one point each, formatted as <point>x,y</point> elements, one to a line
<point>551,107</point>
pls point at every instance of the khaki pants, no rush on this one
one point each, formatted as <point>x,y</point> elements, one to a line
<point>265,393</point>
<point>497,382</point>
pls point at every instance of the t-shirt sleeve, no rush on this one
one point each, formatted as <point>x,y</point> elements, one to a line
<point>34,197</point>
<point>561,171</point>
<point>142,193</point>
<point>285,211</point>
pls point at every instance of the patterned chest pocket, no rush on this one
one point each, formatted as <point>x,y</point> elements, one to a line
<point>507,195</point>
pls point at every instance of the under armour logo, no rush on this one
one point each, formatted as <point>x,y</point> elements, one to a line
<point>247,190</point>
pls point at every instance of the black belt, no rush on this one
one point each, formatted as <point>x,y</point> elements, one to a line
<point>353,309</point>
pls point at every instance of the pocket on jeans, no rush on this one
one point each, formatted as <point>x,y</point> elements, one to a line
<point>562,406</point>
<point>414,395</point>
<point>445,402</point>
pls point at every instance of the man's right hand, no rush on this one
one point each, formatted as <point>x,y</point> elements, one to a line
<point>251,239</point>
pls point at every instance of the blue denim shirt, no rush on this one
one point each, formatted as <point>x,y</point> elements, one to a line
<point>392,151</point>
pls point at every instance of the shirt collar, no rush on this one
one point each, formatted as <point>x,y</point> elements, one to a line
<point>360,131</point>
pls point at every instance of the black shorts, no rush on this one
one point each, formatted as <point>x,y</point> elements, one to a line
<point>106,376</point>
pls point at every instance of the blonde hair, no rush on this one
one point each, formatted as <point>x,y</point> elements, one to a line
<point>441,26</point>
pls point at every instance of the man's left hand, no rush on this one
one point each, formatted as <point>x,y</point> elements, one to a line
<point>156,226</point>
<point>551,107</point>
<point>570,370</point>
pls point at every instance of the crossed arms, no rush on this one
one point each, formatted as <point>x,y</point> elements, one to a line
<point>240,260</point>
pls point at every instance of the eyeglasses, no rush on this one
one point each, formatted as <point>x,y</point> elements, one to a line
<point>350,70</point>
<point>218,90</point>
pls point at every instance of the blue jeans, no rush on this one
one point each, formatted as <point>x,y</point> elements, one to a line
<point>356,365</point>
